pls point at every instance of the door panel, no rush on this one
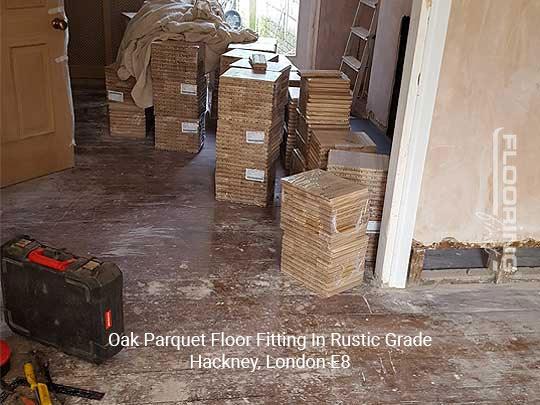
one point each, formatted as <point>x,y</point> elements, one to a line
<point>15,4</point>
<point>36,113</point>
<point>32,87</point>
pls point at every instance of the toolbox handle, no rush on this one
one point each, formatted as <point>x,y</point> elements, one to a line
<point>37,256</point>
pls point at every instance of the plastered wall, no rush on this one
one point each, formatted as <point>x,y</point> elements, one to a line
<point>490,79</point>
<point>336,19</point>
<point>323,30</point>
<point>385,54</point>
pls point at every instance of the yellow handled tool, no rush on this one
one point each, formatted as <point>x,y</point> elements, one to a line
<point>31,378</point>
<point>44,397</point>
<point>40,390</point>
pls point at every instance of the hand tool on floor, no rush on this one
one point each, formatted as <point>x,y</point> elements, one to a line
<point>8,389</point>
<point>64,389</point>
<point>40,390</point>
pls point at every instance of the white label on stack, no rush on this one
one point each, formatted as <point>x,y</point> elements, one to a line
<point>255,137</point>
<point>191,127</point>
<point>188,89</point>
<point>115,96</point>
<point>373,226</point>
<point>255,175</point>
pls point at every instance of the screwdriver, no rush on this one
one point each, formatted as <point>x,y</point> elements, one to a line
<point>41,392</point>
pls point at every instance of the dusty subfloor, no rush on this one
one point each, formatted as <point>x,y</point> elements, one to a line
<point>193,265</point>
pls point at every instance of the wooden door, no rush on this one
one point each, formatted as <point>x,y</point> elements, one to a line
<point>36,122</point>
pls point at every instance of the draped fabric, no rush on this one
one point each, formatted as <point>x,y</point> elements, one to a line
<point>185,20</point>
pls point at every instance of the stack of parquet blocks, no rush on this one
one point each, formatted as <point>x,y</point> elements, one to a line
<point>325,103</point>
<point>322,140</point>
<point>126,119</point>
<point>298,163</point>
<point>283,67</point>
<point>294,79</point>
<point>249,133</point>
<point>369,170</point>
<point>236,54</point>
<point>225,61</point>
<point>179,92</point>
<point>324,218</point>
<point>294,76</point>
<point>292,124</point>
<point>263,44</point>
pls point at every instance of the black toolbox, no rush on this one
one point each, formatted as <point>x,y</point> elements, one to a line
<point>51,296</point>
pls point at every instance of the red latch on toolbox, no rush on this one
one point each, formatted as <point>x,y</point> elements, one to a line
<point>108,319</point>
<point>37,256</point>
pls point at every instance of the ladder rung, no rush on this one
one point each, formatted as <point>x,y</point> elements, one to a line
<point>360,32</point>
<point>369,3</point>
<point>352,62</point>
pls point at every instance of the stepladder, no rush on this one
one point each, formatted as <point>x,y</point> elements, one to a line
<point>358,55</point>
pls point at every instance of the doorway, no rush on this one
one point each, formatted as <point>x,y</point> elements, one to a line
<point>270,18</point>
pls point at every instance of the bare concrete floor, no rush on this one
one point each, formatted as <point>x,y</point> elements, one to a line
<point>193,265</point>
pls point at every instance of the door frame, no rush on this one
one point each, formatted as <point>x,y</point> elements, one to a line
<point>423,60</point>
